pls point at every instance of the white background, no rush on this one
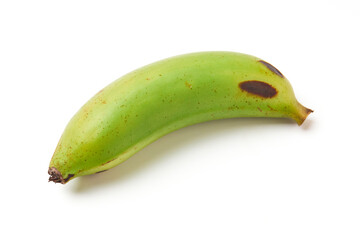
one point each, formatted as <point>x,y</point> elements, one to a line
<point>228,179</point>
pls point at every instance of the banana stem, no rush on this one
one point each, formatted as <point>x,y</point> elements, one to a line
<point>301,113</point>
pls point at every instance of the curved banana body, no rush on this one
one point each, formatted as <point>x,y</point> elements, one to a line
<point>159,98</point>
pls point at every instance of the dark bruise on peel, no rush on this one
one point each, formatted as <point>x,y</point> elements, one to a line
<point>272,68</point>
<point>258,88</point>
<point>68,177</point>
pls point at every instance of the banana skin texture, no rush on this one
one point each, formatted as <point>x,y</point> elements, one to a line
<point>159,98</point>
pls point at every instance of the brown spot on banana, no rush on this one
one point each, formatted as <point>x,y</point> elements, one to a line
<point>258,88</point>
<point>272,68</point>
<point>68,178</point>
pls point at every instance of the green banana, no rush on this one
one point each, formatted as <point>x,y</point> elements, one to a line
<point>162,97</point>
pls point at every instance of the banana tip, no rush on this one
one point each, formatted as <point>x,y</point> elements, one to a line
<point>55,175</point>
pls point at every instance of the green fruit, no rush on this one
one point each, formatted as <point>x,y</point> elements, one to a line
<point>162,97</point>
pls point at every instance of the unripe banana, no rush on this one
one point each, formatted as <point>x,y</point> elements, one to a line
<point>162,97</point>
